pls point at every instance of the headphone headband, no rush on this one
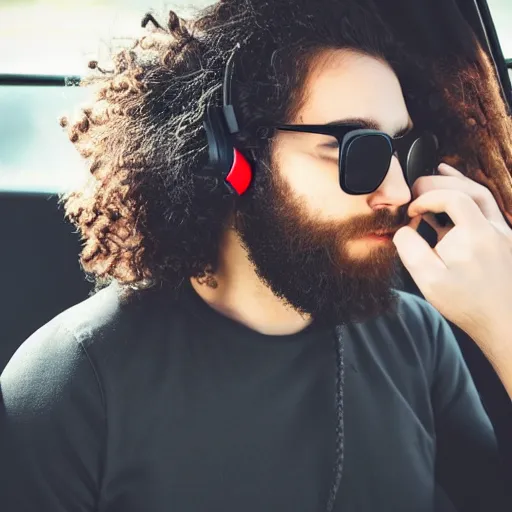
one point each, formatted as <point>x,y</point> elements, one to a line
<point>220,124</point>
<point>227,94</point>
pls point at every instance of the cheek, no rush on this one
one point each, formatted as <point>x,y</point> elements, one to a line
<point>315,182</point>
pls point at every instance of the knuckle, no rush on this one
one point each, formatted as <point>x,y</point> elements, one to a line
<point>420,185</point>
<point>461,198</point>
<point>485,194</point>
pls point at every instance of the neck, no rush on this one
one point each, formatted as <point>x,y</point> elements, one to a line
<point>242,296</point>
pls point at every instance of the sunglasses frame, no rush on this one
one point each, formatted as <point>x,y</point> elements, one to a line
<point>399,145</point>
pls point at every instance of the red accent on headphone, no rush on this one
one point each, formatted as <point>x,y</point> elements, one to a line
<point>240,175</point>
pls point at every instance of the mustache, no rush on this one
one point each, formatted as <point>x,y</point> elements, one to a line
<point>382,221</point>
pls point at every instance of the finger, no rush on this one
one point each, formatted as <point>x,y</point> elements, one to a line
<point>461,208</point>
<point>481,195</point>
<point>421,261</point>
<point>448,170</point>
<point>415,222</point>
<point>499,215</point>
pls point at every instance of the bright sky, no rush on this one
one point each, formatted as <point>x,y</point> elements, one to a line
<point>59,36</point>
<point>502,16</point>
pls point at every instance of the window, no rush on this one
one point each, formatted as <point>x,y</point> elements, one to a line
<point>59,37</point>
<point>501,11</point>
<point>35,153</point>
<point>56,37</point>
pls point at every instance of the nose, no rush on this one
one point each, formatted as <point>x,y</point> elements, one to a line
<point>394,190</point>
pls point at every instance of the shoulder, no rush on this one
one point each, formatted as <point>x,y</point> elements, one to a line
<point>418,314</point>
<point>431,336</point>
<point>76,343</point>
<point>413,335</point>
<point>64,372</point>
<point>428,329</point>
<point>416,317</point>
<point>109,312</point>
<point>112,322</point>
<point>412,319</point>
<point>53,361</point>
<point>53,400</point>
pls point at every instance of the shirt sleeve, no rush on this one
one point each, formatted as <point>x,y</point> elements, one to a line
<point>469,467</point>
<point>52,426</point>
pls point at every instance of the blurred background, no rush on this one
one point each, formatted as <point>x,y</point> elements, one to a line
<point>59,37</point>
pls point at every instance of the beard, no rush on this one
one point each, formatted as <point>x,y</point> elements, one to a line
<point>306,262</point>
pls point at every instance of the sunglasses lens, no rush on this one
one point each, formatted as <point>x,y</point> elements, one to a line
<point>421,158</point>
<point>366,162</point>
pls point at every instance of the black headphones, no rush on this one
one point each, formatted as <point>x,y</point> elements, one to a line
<point>220,124</point>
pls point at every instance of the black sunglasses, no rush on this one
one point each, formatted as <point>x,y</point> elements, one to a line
<point>365,155</point>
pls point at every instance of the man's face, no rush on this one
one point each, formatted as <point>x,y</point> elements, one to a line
<point>306,237</point>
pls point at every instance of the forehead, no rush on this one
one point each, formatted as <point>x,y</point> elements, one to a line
<point>346,84</point>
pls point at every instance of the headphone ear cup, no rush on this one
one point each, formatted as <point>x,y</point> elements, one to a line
<point>224,159</point>
<point>422,158</point>
<point>240,175</point>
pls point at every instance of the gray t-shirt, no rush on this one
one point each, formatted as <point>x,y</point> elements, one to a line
<point>162,404</point>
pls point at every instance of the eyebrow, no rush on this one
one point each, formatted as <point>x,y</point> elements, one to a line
<point>371,124</point>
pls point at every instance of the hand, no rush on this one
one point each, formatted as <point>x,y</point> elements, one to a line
<point>467,276</point>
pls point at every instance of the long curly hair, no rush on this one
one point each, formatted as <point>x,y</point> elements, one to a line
<point>149,215</point>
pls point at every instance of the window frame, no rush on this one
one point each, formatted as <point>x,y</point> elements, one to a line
<point>494,49</point>
<point>39,80</point>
